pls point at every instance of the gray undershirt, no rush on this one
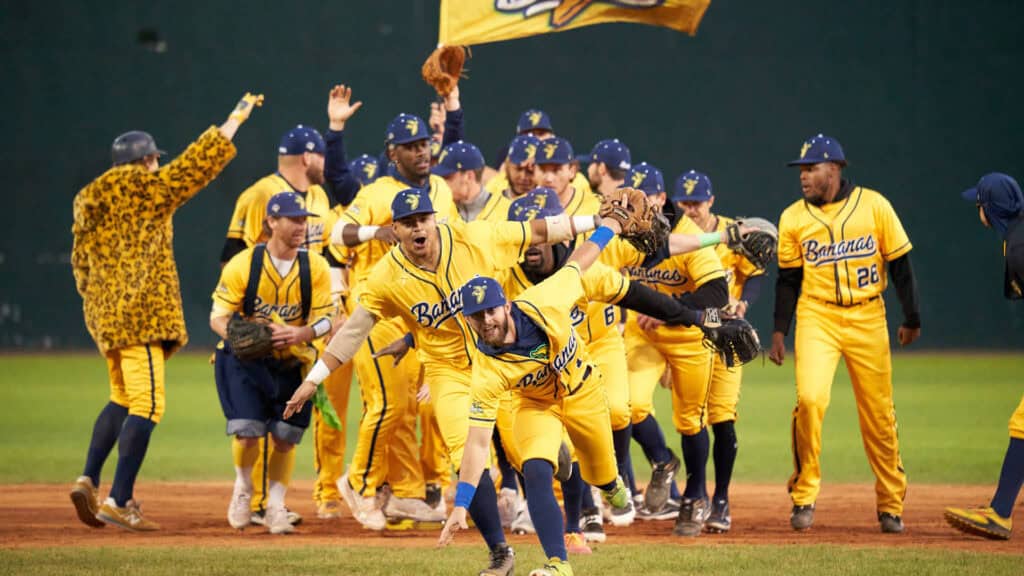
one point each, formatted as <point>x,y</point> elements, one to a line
<point>470,210</point>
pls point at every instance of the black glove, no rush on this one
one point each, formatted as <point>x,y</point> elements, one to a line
<point>249,340</point>
<point>735,339</point>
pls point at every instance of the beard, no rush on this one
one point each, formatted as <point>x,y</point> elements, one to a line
<point>315,175</point>
<point>493,334</point>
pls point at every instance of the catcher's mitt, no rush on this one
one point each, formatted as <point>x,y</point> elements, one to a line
<point>443,68</point>
<point>249,340</point>
<point>642,224</point>
<point>758,245</point>
<point>736,340</point>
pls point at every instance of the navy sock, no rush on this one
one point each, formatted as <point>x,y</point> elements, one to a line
<point>648,433</point>
<point>522,481</point>
<point>544,512</point>
<point>104,435</point>
<point>695,456</point>
<point>1010,479</point>
<point>630,477</point>
<point>131,449</point>
<point>620,440</point>
<point>508,473</point>
<point>724,454</point>
<point>572,497</point>
<point>484,511</point>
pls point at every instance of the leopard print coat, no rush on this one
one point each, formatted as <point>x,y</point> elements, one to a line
<point>123,258</point>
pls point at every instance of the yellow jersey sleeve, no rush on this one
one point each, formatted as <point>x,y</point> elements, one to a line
<point>256,209</point>
<point>371,206</point>
<point>485,393</point>
<point>620,254</point>
<point>498,184</point>
<point>236,229</point>
<point>602,283</point>
<point>230,290</point>
<point>374,295</point>
<point>322,306</point>
<point>790,253</point>
<point>558,293</point>
<point>893,241</point>
<point>505,242</point>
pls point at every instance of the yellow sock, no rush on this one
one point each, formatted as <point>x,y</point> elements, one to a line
<point>280,466</point>
<point>244,455</point>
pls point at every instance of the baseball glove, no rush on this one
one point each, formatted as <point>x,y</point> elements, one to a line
<point>735,339</point>
<point>638,218</point>
<point>758,245</point>
<point>249,340</point>
<point>443,68</point>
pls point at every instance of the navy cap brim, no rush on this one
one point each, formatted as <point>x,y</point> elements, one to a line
<point>805,161</point>
<point>416,212</point>
<point>295,214</point>
<point>970,195</point>
<point>407,140</point>
<point>442,171</point>
<point>585,158</point>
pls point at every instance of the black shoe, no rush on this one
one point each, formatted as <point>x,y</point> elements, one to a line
<point>890,523</point>
<point>503,561</point>
<point>720,520</point>
<point>693,512</point>
<point>433,495</point>
<point>662,476</point>
<point>802,517</point>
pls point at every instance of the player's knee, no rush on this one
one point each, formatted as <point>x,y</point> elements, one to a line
<point>639,412</point>
<point>281,445</point>
<point>813,400</point>
<point>248,441</point>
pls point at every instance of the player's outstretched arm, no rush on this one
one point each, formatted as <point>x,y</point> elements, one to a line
<point>474,462</point>
<point>240,114</point>
<point>353,234</point>
<point>586,253</point>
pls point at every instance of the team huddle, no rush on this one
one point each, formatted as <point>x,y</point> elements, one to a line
<point>510,324</point>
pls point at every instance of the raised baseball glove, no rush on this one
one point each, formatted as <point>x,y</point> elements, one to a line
<point>249,340</point>
<point>735,339</point>
<point>638,218</point>
<point>443,68</point>
<point>758,245</point>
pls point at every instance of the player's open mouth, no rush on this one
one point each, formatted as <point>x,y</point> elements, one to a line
<point>532,256</point>
<point>419,241</point>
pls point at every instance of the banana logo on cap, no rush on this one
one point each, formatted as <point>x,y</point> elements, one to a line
<point>480,292</point>
<point>804,149</point>
<point>549,150</point>
<point>689,184</point>
<point>370,170</point>
<point>534,117</point>
<point>412,125</point>
<point>638,178</point>
<point>531,151</point>
<point>413,200</point>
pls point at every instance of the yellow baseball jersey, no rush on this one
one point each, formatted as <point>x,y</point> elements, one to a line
<point>558,366</point>
<point>593,316</point>
<point>277,298</point>
<point>496,208</point>
<point>737,267</point>
<point>583,202</point>
<point>429,302</point>
<point>251,211</point>
<point>372,207</point>
<point>499,184</point>
<point>673,276</point>
<point>842,246</point>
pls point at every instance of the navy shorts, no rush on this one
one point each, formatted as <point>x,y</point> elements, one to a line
<point>253,395</point>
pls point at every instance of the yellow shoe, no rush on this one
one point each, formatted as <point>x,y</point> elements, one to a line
<point>980,522</point>
<point>554,567</point>
<point>85,496</point>
<point>129,517</point>
<point>575,544</point>
<point>329,510</point>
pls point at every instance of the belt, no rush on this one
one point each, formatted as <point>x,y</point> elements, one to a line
<point>854,305</point>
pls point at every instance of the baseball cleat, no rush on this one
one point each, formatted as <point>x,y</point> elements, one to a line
<point>85,496</point>
<point>523,524</point>
<point>259,517</point>
<point>239,515</point>
<point>364,509</point>
<point>553,567</point>
<point>693,512</point>
<point>502,562</point>
<point>508,502</point>
<point>890,523</point>
<point>984,522</point>
<point>576,544</point>
<point>412,509</point>
<point>720,520</point>
<point>669,511</point>
<point>662,476</point>
<point>593,531</point>
<point>128,517</point>
<point>328,510</point>
<point>277,520</point>
<point>802,517</point>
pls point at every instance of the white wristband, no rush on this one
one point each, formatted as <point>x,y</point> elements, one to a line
<point>559,228</point>
<point>321,327</point>
<point>583,223</point>
<point>366,233</point>
<point>318,373</point>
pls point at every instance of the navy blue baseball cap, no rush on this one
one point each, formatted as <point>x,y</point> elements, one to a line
<point>646,177</point>
<point>523,149</point>
<point>458,156</point>
<point>365,168</point>
<point>611,153</point>
<point>692,186</point>
<point>539,203</point>
<point>287,205</point>
<point>554,151</point>
<point>409,202</point>
<point>818,149</point>
<point>481,293</point>
<point>533,119</point>
<point>406,128</point>
<point>301,139</point>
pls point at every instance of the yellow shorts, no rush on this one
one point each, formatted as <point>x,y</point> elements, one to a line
<point>137,379</point>
<point>1017,422</point>
<point>449,392</point>
<point>609,352</point>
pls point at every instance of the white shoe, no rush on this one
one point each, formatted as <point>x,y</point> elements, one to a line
<point>592,529</point>
<point>412,509</point>
<point>364,510</point>
<point>239,513</point>
<point>508,502</point>
<point>277,520</point>
<point>523,524</point>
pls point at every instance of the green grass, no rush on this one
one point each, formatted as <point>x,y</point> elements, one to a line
<point>648,560</point>
<point>952,411</point>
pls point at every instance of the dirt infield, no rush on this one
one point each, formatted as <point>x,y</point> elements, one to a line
<point>193,514</point>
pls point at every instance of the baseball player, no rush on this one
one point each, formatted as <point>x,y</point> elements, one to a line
<point>289,288</point>
<point>418,282</point>
<point>697,277</point>
<point>386,446</point>
<point>556,169</point>
<point>537,124</point>
<point>834,245</point>
<point>123,264</point>
<point>461,165</point>
<point>529,346</point>
<point>608,163</point>
<point>1000,207</point>
<point>745,281</point>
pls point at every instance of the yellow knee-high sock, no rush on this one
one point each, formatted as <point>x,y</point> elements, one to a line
<point>279,475</point>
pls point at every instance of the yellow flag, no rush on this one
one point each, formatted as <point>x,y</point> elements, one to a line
<point>467,22</point>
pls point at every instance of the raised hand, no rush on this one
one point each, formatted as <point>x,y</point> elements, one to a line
<point>340,107</point>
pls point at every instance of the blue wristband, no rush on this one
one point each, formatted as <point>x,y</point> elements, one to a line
<point>602,236</point>
<point>409,341</point>
<point>464,494</point>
